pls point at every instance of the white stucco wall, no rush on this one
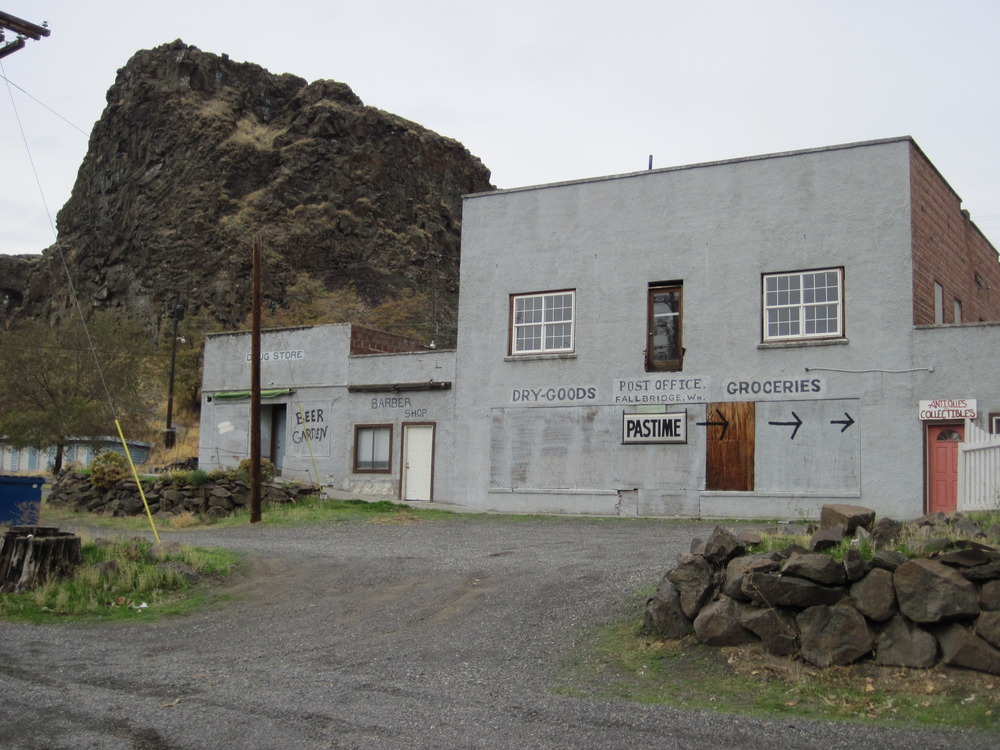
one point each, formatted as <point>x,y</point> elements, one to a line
<point>717,228</point>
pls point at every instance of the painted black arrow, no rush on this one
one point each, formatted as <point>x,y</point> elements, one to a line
<point>796,424</point>
<point>724,424</point>
<point>846,422</point>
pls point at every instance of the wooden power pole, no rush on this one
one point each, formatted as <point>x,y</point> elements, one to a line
<point>255,516</point>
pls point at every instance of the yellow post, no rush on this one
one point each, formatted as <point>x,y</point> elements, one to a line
<point>135,475</point>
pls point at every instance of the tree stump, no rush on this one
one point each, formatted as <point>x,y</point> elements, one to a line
<point>33,555</point>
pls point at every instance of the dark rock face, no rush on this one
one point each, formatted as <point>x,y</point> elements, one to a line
<point>195,155</point>
<point>15,275</point>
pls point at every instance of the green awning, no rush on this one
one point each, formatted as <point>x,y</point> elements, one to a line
<point>269,393</point>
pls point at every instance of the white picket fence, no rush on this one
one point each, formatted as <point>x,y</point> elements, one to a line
<point>978,470</point>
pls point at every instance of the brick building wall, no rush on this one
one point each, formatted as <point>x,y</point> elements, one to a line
<point>950,250</point>
<point>370,341</point>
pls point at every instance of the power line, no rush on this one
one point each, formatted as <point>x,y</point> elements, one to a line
<point>43,104</point>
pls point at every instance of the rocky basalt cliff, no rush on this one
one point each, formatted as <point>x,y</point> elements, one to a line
<point>196,154</point>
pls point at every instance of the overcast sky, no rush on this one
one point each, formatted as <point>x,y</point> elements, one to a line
<point>545,90</point>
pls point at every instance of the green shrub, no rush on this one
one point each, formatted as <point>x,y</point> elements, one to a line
<point>107,468</point>
<point>196,477</point>
<point>267,470</point>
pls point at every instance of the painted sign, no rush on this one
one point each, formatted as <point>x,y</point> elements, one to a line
<point>399,402</point>
<point>775,387</point>
<point>660,390</point>
<point>309,428</point>
<point>949,408</point>
<point>559,395</point>
<point>654,428</point>
<point>290,355</point>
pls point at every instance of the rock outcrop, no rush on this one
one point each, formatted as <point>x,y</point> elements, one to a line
<point>196,154</point>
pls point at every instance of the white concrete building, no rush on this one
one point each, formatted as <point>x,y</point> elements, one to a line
<point>750,338</point>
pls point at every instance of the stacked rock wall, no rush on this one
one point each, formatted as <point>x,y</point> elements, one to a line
<point>167,497</point>
<point>898,610</point>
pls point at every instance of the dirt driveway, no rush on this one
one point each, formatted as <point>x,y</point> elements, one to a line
<point>443,634</point>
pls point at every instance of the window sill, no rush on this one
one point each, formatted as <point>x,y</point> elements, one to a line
<point>535,357</point>
<point>801,343</point>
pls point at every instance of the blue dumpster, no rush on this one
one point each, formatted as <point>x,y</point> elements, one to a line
<point>20,499</point>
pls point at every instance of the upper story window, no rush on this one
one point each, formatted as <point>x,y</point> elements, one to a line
<point>804,305</point>
<point>663,327</point>
<point>542,323</point>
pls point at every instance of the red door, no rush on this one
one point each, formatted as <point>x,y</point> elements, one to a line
<point>942,466</point>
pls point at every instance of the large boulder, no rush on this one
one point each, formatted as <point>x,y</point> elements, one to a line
<point>722,546</point>
<point>988,627</point>
<point>875,595</point>
<point>960,647</point>
<point>989,596</point>
<point>847,517</point>
<point>663,614</point>
<point>693,579</point>
<point>817,567</point>
<point>775,590</point>
<point>832,636</point>
<point>776,628</point>
<point>885,532</point>
<point>718,624</point>
<point>902,643</point>
<point>738,567</point>
<point>928,591</point>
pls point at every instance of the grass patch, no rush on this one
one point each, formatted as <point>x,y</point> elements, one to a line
<point>315,510</point>
<point>120,580</point>
<point>618,661</point>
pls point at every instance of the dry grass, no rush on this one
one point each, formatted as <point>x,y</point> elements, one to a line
<point>249,132</point>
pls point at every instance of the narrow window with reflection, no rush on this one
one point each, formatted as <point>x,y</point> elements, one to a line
<point>663,328</point>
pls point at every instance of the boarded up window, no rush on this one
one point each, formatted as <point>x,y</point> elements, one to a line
<point>729,444</point>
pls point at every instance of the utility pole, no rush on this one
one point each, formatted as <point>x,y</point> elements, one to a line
<point>169,437</point>
<point>23,29</point>
<point>255,516</point>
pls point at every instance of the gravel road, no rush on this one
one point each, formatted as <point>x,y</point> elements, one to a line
<point>423,635</point>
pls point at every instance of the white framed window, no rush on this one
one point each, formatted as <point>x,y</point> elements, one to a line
<point>804,305</point>
<point>373,448</point>
<point>542,323</point>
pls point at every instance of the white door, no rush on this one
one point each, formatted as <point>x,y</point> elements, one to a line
<point>418,461</point>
